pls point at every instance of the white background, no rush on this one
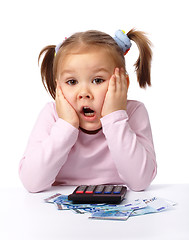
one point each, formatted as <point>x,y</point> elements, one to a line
<point>27,26</point>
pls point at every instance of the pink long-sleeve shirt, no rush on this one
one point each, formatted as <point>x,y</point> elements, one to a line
<point>121,153</point>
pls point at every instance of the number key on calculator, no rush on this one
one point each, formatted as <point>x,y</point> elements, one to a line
<point>98,194</point>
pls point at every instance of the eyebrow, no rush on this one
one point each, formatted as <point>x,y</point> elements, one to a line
<point>95,70</point>
<point>66,71</point>
<point>101,70</point>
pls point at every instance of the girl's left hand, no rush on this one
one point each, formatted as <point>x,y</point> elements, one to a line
<point>116,96</point>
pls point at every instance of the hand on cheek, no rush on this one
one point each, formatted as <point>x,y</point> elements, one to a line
<point>64,109</point>
<point>116,96</point>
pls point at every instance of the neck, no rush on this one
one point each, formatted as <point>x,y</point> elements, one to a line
<point>90,132</point>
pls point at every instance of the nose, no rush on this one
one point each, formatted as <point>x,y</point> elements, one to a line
<point>85,94</point>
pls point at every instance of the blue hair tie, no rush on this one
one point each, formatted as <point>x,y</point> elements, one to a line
<point>58,47</point>
<point>122,41</point>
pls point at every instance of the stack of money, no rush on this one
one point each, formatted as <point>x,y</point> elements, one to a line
<point>112,211</point>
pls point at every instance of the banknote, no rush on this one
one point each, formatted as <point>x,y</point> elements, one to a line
<point>112,211</point>
<point>136,204</point>
<point>52,198</point>
<point>87,207</point>
<point>158,204</point>
<point>62,203</point>
<point>143,211</point>
<point>111,215</point>
<point>153,205</point>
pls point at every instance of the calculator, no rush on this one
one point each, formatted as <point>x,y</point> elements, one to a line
<point>98,194</point>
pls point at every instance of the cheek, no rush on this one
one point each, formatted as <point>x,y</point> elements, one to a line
<point>101,96</point>
<point>68,94</point>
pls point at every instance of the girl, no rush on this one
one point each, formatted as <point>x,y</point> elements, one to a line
<point>92,134</point>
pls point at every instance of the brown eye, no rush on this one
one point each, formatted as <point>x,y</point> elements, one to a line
<point>98,81</point>
<point>72,82</point>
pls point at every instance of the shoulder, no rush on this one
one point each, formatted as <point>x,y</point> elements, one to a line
<point>49,111</point>
<point>133,106</point>
<point>50,107</point>
<point>138,115</point>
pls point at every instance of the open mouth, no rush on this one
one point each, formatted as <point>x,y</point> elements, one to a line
<point>88,112</point>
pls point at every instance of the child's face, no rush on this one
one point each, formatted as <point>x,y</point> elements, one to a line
<point>84,79</point>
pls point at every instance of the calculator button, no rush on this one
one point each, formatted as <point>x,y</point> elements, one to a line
<point>117,189</point>
<point>99,189</point>
<point>81,189</point>
<point>108,189</point>
<point>90,189</point>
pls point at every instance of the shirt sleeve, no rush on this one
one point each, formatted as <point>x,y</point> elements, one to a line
<point>131,146</point>
<point>47,150</point>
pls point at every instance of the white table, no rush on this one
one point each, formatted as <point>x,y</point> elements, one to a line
<point>25,216</point>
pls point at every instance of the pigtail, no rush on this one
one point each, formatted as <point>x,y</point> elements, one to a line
<point>47,69</point>
<point>143,63</point>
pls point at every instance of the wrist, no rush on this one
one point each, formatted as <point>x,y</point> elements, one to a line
<point>112,110</point>
<point>114,117</point>
<point>73,123</point>
<point>76,125</point>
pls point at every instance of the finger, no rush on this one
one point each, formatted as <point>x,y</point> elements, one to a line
<point>112,83</point>
<point>118,79</point>
<point>57,84</point>
<point>57,92</point>
<point>127,79</point>
<point>123,79</point>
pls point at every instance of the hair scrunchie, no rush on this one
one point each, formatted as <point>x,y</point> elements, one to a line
<point>57,48</point>
<point>122,41</point>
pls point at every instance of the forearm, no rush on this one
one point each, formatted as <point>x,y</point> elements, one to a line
<point>133,153</point>
<point>44,158</point>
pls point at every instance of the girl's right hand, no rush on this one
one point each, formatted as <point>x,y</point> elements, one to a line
<point>64,109</point>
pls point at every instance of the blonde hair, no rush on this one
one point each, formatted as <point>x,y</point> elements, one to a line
<point>91,38</point>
